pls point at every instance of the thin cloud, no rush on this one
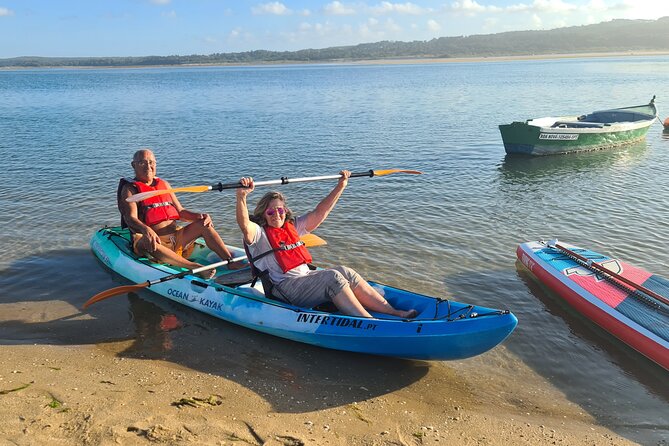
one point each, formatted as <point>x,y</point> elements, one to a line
<point>471,7</point>
<point>377,29</point>
<point>4,12</point>
<point>536,21</point>
<point>433,26</point>
<point>338,8</point>
<point>542,6</point>
<point>160,2</point>
<point>399,8</point>
<point>272,8</point>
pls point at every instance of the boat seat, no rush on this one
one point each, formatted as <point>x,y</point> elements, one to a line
<point>258,291</point>
<point>577,124</point>
<point>611,116</point>
<point>235,278</point>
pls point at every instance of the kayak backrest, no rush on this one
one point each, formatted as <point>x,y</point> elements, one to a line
<point>267,284</point>
<point>122,182</point>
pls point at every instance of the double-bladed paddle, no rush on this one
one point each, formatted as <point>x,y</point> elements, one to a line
<point>588,263</point>
<point>284,180</point>
<point>310,240</point>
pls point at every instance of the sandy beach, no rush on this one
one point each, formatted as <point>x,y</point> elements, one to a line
<point>201,381</point>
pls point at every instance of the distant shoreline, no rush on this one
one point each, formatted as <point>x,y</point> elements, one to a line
<point>513,58</point>
<point>389,61</point>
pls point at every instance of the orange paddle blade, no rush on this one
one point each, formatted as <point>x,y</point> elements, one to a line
<point>311,240</point>
<point>380,173</point>
<point>152,193</point>
<point>113,292</point>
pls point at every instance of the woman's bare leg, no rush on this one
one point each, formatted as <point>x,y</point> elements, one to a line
<point>348,304</point>
<point>372,300</point>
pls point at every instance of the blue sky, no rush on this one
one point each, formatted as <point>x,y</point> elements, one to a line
<point>166,27</point>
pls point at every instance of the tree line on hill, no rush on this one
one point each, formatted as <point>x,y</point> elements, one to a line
<point>614,36</point>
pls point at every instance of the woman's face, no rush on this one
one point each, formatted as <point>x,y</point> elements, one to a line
<point>275,214</point>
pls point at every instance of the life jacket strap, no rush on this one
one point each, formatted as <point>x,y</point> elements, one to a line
<point>288,247</point>
<point>158,205</point>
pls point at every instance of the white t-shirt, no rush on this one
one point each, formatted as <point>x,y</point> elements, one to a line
<point>260,244</point>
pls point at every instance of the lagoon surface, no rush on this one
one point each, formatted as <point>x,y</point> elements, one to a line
<point>67,135</point>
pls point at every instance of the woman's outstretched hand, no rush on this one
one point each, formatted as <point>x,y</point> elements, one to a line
<point>247,187</point>
<point>345,174</point>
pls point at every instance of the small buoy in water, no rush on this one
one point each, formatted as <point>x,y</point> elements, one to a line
<point>666,123</point>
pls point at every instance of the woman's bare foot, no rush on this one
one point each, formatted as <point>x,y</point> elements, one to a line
<point>408,314</point>
<point>208,274</point>
<point>239,264</point>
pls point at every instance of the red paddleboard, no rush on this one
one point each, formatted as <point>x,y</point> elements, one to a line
<point>627,301</point>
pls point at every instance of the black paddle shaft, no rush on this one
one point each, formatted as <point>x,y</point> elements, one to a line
<point>285,180</point>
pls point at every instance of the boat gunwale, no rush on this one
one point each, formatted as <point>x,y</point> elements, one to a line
<point>650,117</point>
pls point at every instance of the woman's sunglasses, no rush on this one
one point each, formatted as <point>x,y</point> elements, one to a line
<point>271,211</point>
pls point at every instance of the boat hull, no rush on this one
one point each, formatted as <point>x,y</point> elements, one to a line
<point>614,309</point>
<point>523,138</point>
<point>601,129</point>
<point>443,330</point>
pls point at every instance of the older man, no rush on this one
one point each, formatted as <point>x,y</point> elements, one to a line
<point>153,221</point>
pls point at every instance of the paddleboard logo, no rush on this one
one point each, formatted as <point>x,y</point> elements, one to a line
<point>559,136</point>
<point>612,265</point>
<point>527,261</point>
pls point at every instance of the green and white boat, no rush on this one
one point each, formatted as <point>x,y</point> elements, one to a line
<point>598,130</point>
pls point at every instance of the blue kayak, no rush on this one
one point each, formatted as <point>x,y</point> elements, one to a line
<point>442,330</point>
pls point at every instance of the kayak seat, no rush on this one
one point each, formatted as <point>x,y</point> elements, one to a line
<point>235,278</point>
<point>327,307</point>
<point>259,289</point>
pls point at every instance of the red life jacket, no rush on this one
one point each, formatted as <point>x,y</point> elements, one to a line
<point>289,251</point>
<point>156,209</point>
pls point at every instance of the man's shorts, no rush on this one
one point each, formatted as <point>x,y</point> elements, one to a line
<point>318,286</point>
<point>172,241</point>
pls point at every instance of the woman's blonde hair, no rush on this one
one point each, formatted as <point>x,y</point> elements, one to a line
<point>258,215</point>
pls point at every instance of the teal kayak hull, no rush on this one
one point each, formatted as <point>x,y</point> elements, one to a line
<point>443,329</point>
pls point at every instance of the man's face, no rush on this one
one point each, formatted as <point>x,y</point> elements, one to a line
<point>145,167</point>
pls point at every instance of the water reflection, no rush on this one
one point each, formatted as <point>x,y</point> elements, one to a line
<point>586,362</point>
<point>518,169</point>
<point>641,368</point>
<point>665,132</point>
<point>153,326</point>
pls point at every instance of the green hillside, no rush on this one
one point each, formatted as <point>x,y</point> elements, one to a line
<point>613,36</point>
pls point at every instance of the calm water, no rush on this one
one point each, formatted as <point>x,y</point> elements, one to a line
<point>66,136</point>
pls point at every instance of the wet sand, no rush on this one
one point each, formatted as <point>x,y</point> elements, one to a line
<point>184,378</point>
